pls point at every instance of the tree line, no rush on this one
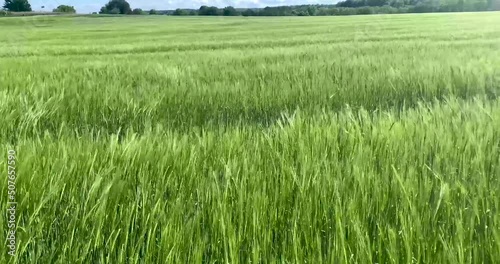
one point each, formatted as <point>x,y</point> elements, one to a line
<point>25,6</point>
<point>350,7</point>
<point>346,7</point>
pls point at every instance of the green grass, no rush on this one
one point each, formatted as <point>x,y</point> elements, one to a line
<point>366,139</point>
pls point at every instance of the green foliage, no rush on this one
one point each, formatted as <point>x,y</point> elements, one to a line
<point>138,11</point>
<point>230,11</point>
<point>249,12</point>
<point>209,11</point>
<point>362,139</point>
<point>153,12</point>
<point>116,7</point>
<point>423,6</point>
<point>494,4</point>
<point>180,12</point>
<point>363,7</point>
<point>115,11</point>
<point>64,9</point>
<point>351,7</point>
<point>17,5</point>
<point>365,10</point>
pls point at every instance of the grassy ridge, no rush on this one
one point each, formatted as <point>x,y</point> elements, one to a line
<point>276,140</point>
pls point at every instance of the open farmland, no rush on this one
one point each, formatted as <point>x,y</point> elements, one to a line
<point>366,139</point>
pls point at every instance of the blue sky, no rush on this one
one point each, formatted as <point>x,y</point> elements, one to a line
<point>87,6</point>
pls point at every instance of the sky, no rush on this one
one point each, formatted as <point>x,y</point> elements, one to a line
<point>88,6</point>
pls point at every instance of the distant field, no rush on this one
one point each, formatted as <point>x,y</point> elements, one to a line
<point>365,139</point>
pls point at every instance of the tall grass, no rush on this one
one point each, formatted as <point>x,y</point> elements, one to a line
<point>214,140</point>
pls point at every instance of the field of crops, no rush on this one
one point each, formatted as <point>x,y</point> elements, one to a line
<point>365,139</point>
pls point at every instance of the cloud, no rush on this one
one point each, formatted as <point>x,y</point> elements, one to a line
<point>87,6</point>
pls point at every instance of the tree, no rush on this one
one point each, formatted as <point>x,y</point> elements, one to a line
<point>112,6</point>
<point>249,12</point>
<point>230,11</point>
<point>365,10</point>
<point>17,5</point>
<point>312,10</point>
<point>153,12</point>
<point>208,11</point>
<point>202,10</point>
<point>377,2</point>
<point>115,11</point>
<point>494,5</point>
<point>137,11</point>
<point>180,12</point>
<point>300,13</point>
<point>64,9</point>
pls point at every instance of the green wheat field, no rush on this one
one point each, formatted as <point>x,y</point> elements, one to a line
<point>363,139</point>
